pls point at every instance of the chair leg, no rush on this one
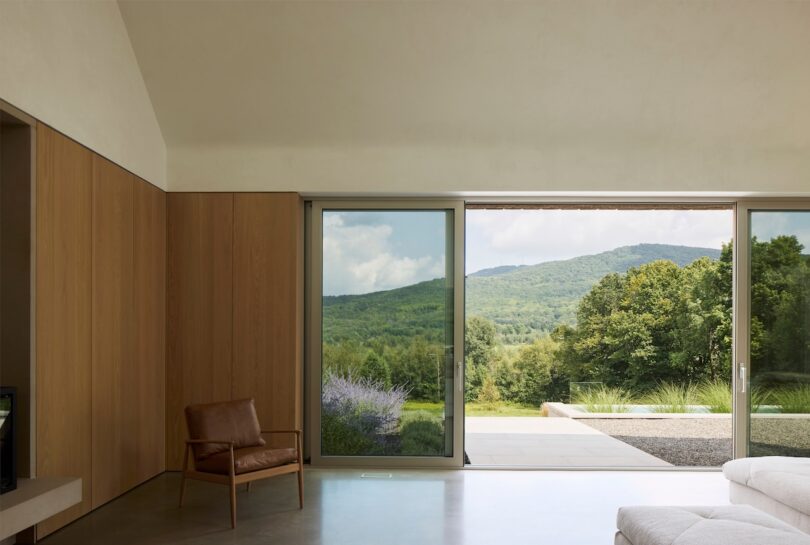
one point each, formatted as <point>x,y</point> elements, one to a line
<point>233,504</point>
<point>233,490</point>
<point>300,449</point>
<point>300,488</point>
<point>183,477</point>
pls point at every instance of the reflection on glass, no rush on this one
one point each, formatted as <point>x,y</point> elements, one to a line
<point>780,334</point>
<point>387,333</point>
<point>345,498</point>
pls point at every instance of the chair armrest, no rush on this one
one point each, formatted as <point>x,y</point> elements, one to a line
<point>203,441</point>
<point>297,432</point>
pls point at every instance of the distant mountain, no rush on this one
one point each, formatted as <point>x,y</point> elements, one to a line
<point>523,301</point>
<point>535,299</point>
<point>495,271</point>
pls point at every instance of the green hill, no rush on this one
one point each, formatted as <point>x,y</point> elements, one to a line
<point>401,313</point>
<point>534,299</point>
<point>523,301</point>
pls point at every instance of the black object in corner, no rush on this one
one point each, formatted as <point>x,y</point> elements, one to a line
<point>8,450</point>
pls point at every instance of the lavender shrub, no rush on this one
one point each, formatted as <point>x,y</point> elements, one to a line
<point>359,414</point>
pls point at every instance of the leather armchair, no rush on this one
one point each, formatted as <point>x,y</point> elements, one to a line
<point>228,448</point>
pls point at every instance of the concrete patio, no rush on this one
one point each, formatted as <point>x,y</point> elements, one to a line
<point>548,441</point>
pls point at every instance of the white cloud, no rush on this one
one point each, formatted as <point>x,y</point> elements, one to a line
<point>359,258</point>
<point>515,237</point>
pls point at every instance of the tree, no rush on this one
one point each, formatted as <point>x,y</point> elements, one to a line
<point>533,368</point>
<point>479,345</point>
<point>533,375</point>
<point>656,323</point>
<point>780,307</point>
<point>375,368</point>
<point>344,358</point>
<point>703,319</point>
<point>418,366</point>
<point>489,392</point>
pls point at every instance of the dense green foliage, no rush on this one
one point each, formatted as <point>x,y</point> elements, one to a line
<point>421,434</point>
<point>387,317</point>
<point>376,369</point>
<point>413,363</point>
<point>780,308</point>
<point>340,438</point>
<point>656,323</point>
<point>621,319</point>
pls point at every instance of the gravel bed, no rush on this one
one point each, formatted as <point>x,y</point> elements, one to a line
<point>780,436</point>
<point>681,442</point>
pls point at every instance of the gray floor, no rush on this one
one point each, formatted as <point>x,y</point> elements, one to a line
<point>547,441</point>
<point>409,507</point>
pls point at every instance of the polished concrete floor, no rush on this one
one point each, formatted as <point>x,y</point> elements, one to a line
<point>547,441</point>
<point>380,507</point>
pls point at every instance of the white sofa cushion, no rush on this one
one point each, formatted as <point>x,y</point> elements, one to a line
<point>785,479</point>
<point>739,493</point>
<point>718,525</point>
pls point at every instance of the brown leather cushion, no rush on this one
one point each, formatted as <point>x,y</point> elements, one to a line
<point>248,459</point>
<point>228,421</point>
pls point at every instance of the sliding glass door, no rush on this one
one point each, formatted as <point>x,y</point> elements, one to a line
<point>386,333</point>
<point>773,330</point>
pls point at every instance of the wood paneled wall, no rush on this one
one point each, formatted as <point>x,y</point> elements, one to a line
<point>146,304</point>
<point>200,308</point>
<point>149,380</point>
<point>113,331</point>
<point>101,256</point>
<point>63,315</point>
<point>267,306</point>
<point>235,308</point>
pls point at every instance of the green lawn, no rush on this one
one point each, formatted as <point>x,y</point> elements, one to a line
<point>475,409</point>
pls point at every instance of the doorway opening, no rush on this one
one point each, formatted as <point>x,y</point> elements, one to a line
<point>599,335</point>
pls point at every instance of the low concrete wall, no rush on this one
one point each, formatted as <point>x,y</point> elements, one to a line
<point>564,410</point>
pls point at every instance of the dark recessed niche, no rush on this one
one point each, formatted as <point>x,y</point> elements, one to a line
<point>16,200</point>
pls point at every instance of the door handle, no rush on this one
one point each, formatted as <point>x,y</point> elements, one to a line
<point>742,377</point>
<point>459,369</point>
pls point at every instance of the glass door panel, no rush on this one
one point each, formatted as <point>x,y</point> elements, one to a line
<point>778,389</point>
<point>386,299</point>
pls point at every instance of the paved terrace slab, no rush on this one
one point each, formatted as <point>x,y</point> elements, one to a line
<point>548,441</point>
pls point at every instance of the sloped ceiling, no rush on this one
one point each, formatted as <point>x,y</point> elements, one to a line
<point>493,95</point>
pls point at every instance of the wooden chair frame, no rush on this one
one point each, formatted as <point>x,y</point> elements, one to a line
<point>232,479</point>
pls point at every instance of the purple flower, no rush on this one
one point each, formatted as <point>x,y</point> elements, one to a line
<point>363,404</point>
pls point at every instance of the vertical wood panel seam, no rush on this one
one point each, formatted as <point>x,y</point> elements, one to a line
<point>135,332</point>
<point>166,338</point>
<point>233,289</point>
<point>92,295</point>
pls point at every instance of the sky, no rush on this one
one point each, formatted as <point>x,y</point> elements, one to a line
<point>527,237</point>
<point>367,251</point>
<point>767,224</point>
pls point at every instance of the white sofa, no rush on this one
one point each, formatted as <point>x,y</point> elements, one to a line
<point>772,507</point>
<point>718,525</point>
<point>777,485</point>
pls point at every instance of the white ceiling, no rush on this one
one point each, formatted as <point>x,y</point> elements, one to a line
<point>577,75</point>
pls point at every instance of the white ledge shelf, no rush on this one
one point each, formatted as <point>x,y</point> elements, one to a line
<point>35,500</point>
